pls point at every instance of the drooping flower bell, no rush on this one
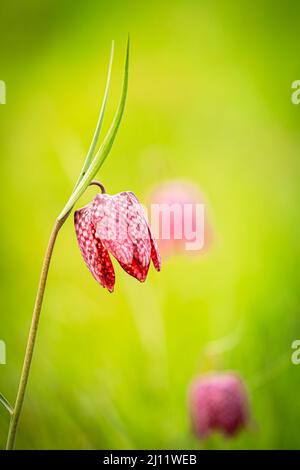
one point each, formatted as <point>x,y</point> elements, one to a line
<point>218,402</point>
<point>115,224</point>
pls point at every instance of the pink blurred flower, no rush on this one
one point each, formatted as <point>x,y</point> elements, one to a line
<point>115,224</point>
<point>178,218</point>
<point>218,402</point>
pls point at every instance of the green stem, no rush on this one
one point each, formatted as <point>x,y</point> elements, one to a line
<point>15,417</point>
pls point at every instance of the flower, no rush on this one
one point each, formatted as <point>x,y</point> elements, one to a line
<point>115,224</point>
<point>182,223</point>
<point>218,401</point>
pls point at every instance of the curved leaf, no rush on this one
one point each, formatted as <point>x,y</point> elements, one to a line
<point>100,120</point>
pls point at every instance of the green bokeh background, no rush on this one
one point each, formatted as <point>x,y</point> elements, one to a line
<point>209,101</point>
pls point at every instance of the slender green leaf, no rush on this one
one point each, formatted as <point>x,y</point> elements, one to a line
<point>6,404</point>
<point>104,148</point>
<point>95,140</point>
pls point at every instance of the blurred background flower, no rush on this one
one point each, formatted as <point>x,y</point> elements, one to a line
<point>209,104</point>
<point>179,218</point>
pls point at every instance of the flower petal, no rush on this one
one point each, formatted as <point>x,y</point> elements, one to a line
<point>92,249</point>
<point>111,228</point>
<point>155,255</point>
<point>136,270</point>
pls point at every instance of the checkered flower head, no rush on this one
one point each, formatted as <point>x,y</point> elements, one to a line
<point>218,402</point>
<point>117,225</point>
<point>179,200</point>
